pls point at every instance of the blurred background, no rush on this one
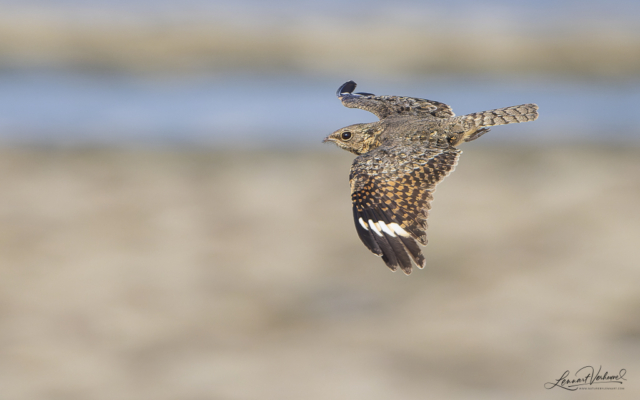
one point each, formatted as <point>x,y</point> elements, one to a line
<point>171,226</point>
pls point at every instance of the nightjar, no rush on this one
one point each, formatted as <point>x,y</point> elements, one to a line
<point>401,159</point>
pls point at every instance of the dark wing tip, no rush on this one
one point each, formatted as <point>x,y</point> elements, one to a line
<point>346,88</point>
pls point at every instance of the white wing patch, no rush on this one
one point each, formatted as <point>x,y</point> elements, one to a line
<point>386,229</point>
<point>364,224</point>
<point>375,227</point>
<point>391,229</point>
<point>397,229</point>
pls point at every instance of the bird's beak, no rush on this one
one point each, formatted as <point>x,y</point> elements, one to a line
<point>327,139</point>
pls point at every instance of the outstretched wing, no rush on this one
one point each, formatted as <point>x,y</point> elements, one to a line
<point>391,190</point>
<point>387,106</point>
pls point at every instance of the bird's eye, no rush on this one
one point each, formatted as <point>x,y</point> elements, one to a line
<point>346,135</point>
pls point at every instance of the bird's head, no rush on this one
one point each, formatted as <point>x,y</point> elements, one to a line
<point>358,138</point>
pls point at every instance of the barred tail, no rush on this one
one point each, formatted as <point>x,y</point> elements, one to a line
<point>472,124</point>
<point>502,116</point>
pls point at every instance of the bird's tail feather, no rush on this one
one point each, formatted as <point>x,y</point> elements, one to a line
<point>502,116</point>
<point>474,125</point>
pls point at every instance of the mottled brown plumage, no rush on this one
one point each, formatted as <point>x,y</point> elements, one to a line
<point>401,159</point>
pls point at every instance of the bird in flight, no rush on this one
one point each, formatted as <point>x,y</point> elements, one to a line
<point>401,159</point>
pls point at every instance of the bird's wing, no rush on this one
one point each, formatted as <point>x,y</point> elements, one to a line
<point>387,106</point>
<point>391,190</point>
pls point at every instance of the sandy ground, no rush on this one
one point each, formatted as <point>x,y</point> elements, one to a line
<point>212,275</point>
